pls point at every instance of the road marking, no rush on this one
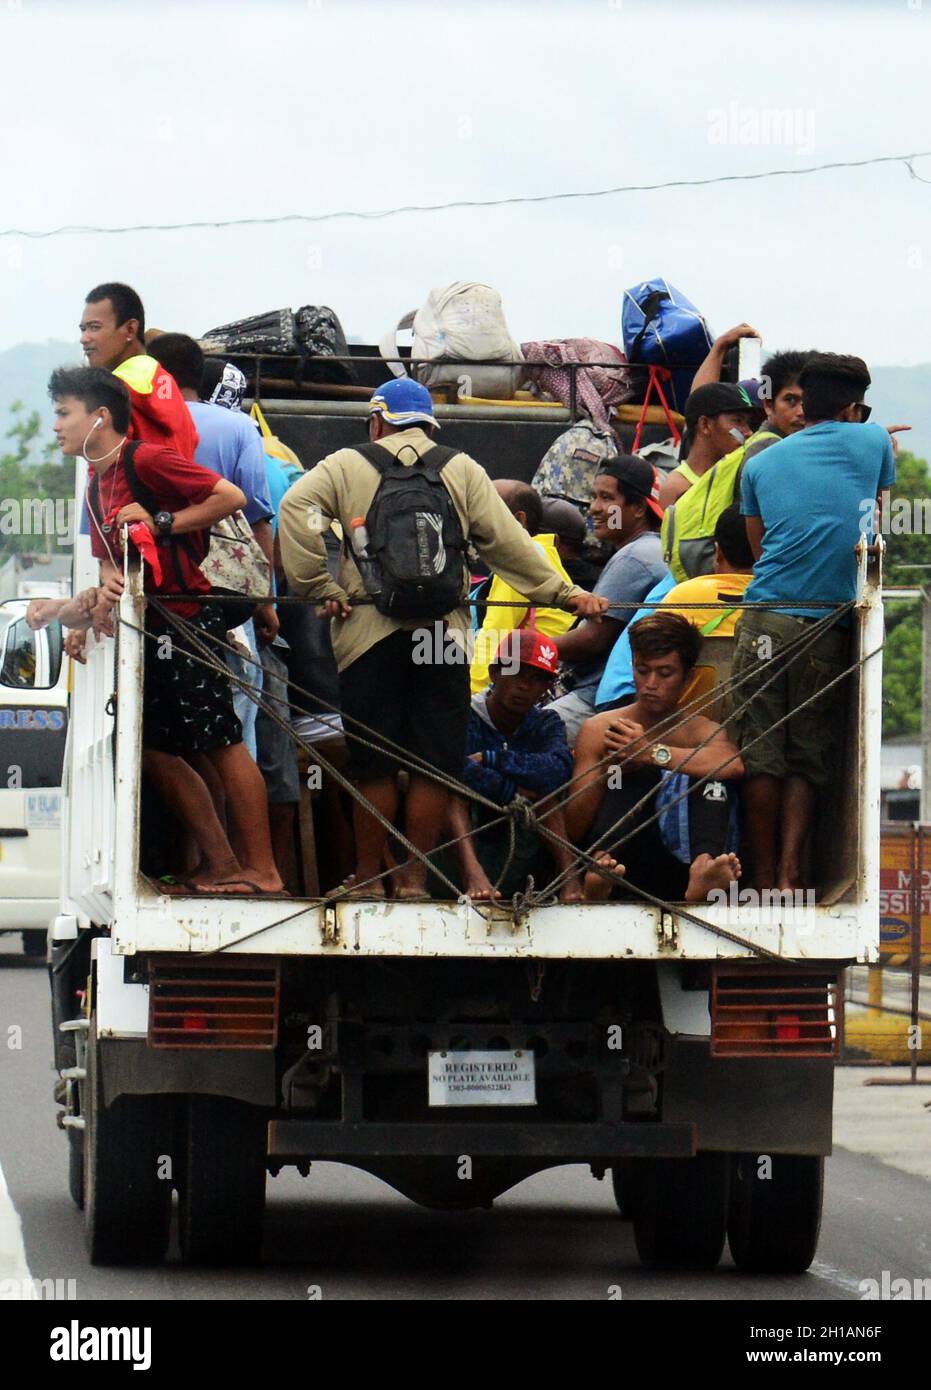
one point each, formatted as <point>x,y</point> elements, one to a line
<point>821,1270</point>
<point>15,1279</point>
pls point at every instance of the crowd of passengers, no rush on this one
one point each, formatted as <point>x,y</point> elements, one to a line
<point>552,691</point>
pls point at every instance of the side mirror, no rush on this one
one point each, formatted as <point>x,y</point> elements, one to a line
<point>31,660</point>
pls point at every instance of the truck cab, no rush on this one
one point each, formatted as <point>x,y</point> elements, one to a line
<point>33,733</point>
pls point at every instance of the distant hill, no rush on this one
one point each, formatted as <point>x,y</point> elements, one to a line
<point>899,395</point>
<point>24,373</point>
<point>902,396</point>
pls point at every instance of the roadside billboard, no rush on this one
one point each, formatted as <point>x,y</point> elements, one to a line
<point>902,846</point>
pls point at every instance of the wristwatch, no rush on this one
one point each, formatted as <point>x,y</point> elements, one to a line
<point>164,522</point>
<point>661,755</point>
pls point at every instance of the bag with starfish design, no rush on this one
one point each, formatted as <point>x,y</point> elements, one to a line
<point>235,564</point>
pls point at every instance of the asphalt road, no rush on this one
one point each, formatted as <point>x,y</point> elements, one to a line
<point>343,1233</point>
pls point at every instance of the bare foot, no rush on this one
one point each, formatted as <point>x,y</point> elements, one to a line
<point>268,880</point>
<point>707,874</point>
<point>598,886</point>
<point>572,891</point>
<point>479,888</point>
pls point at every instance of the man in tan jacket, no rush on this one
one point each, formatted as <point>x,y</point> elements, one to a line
<point>405,682</point>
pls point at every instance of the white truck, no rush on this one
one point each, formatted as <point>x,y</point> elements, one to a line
<point>450,1050</point>
<point>33,730</point>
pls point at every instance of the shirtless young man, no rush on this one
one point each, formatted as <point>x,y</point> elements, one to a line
<point>622,756</point>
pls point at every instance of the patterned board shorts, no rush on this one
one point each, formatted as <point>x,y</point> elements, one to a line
<point>186,708</point>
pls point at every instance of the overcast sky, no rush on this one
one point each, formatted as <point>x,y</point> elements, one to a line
<point>162,112</point>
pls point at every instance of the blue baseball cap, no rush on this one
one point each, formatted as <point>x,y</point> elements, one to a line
<point>754,390</point>
<point>402,401</point>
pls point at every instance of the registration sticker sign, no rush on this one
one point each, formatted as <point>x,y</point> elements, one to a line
<point>482,1078</point>
<point>43,810</point>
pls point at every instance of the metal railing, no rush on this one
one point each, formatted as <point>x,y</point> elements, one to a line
<point>260,377</point>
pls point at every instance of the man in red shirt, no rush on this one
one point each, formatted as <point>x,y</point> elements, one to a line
<point>113,336</point>
<point>187,708</point>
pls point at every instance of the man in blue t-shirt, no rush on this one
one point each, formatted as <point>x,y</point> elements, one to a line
<point>807,500</point>
<point>627,515</point>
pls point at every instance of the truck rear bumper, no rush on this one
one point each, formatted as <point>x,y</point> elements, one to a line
<point>290,1140</point>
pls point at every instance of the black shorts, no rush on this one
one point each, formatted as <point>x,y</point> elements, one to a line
<point>649,863</point>
<point>423,708</point>
<point>186,708</point>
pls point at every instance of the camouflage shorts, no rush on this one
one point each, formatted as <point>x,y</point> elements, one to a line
<point>805,744</point>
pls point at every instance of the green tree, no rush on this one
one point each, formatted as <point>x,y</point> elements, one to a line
<point>902,671</point>
<point>31,471</point>
<point>907,533</point>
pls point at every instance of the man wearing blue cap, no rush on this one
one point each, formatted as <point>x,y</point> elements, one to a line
<point>412,692</point>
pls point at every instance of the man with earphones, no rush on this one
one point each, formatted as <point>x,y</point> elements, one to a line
<point>170,503</point>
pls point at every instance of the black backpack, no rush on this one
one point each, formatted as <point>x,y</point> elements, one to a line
<point>414,561</point>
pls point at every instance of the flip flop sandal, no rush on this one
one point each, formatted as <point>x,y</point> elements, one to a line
<point>165,885</point>
<point>344,892</point>
<point>256,891</point>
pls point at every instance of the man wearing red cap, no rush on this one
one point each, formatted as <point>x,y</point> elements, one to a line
<point>514,748</point>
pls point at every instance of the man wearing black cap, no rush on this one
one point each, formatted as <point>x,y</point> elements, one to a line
<point>718,418</point>
<point>627,515</point>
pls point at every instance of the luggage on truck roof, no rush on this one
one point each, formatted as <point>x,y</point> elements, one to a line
<point>273,332</point>
<point>313,331</point>
<point>597,387</point>
<point>461,320</point>
<point>662,327</point>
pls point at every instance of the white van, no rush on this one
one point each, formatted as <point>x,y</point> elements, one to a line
<point>33,730</point>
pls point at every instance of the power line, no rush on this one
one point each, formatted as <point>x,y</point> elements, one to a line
<point>378,214</point>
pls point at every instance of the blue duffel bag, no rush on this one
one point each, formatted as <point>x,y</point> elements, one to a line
<point>663,328</point>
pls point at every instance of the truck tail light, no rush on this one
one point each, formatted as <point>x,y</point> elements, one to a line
<point>759,1011</point>
<point>222,1002</point>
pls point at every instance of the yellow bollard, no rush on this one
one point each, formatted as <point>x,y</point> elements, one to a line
<point>874,987</point>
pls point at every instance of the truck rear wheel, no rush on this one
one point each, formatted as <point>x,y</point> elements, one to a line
<point>775,1215</point>
<point>621,1182</point>
<point>679,1210</point>
<point>222,1193</point>
<point>127,1205</point>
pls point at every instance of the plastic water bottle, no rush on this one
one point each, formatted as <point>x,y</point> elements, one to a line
<point>360,536</point>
